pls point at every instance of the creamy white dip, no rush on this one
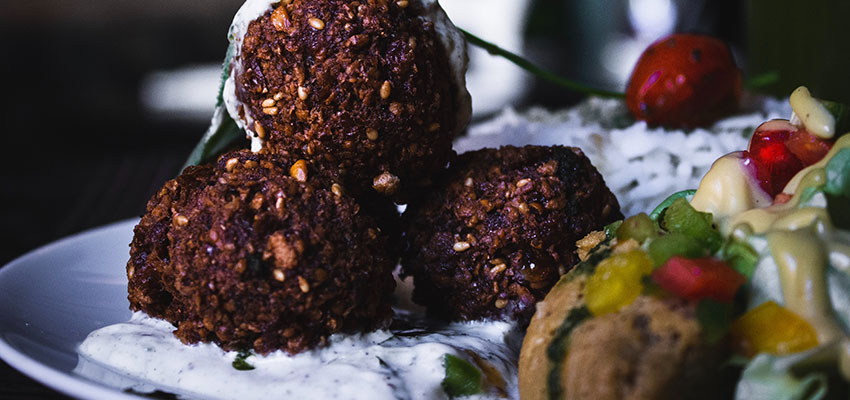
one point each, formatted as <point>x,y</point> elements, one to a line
<point>449,36</point>
<point>405,362</point>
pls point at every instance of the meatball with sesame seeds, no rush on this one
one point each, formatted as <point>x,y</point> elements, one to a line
<point>255,252</point>
<point>374,88</point>
<point>500,228</point>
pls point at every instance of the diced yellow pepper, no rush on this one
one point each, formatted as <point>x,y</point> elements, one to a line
<point>616,282</point>
<point>771,328</point>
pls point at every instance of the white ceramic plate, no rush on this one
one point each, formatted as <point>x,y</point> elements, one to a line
<point>53,297</point>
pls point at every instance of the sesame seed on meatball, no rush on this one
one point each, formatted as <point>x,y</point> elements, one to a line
<point>254,252</point>
<point>367,86</point>
<point>500,228</point>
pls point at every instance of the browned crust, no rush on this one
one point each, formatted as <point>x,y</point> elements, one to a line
<point>369,92</point>
<point>500,228</point>
<point>247,256</point>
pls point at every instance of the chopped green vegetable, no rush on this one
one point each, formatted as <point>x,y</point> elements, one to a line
<point>740,256</point>
<point>462,378</point>
<point>681,217</point>
<point>611,229</point>
<point>714,318</point>
<point>675,244</point>
<point>639,227</point>
<point>686,194</point>
<point>240,363</point>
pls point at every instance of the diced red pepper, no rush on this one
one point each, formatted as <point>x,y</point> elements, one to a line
<point>699,278</point>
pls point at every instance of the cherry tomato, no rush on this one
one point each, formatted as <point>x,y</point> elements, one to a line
<point>683,81</point>
<point>780,150</point>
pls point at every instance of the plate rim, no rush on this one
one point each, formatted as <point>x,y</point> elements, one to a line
<point>56,379</point>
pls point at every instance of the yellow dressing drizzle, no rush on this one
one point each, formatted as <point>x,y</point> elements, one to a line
<point>842,143</point>
<point>844,358</point>
<point>801,238</point>
<point>802,262</point>
<point>814,116</point>
<point>727,189</point>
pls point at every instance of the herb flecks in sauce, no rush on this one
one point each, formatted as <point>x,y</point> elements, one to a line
<point>240,362</point>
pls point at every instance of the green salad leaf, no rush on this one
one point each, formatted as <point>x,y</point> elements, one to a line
<point>838,174</point>
<point>837,188</point>
<point>223,131</point>
<point>462,378</point>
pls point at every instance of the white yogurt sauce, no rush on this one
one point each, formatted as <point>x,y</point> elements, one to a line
<point>405,362</point>
<point>449,36</point>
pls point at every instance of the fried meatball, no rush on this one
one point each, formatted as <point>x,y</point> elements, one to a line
<point>500,228</point>
<point>150,252</point>
<point>256,253</point>
<point>651,349</point>
<point>368,86</point>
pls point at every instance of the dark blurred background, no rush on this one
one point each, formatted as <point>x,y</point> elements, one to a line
<point>103,99</point>
<point>81,147</point>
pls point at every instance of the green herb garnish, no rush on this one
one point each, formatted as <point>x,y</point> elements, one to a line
<point>240,363</point>
<point>462,378</point>
<point>537,71</point>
